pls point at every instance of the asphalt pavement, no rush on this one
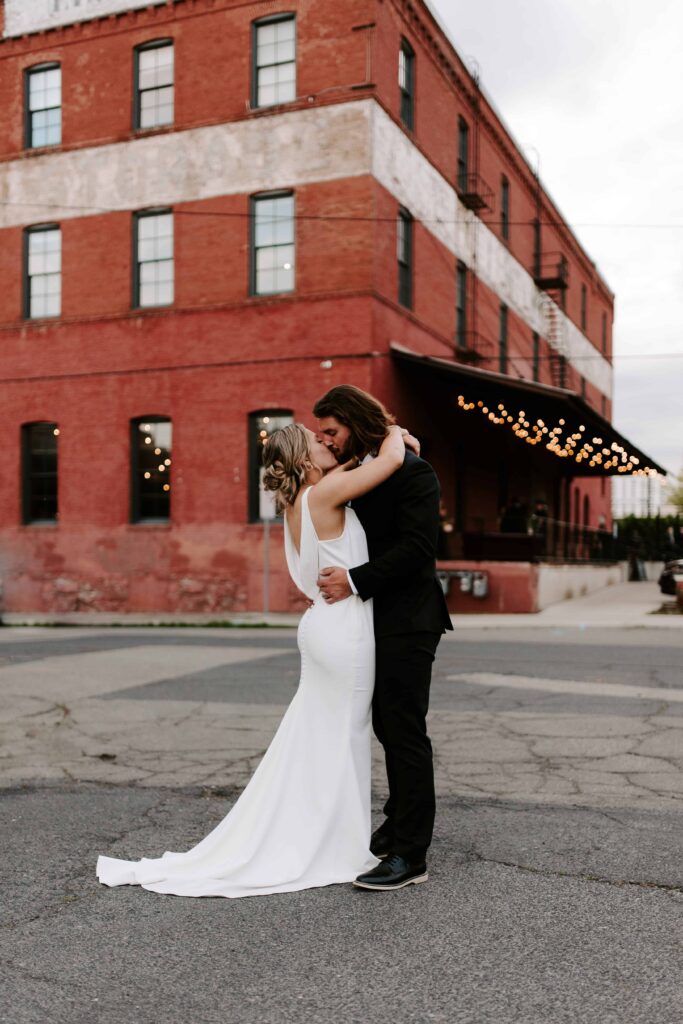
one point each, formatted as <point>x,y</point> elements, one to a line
<point>556,874</point>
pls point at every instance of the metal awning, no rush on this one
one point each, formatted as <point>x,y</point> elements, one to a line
<point>554,420</point>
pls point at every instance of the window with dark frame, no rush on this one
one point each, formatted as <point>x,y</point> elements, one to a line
<point>274,60</point>
<point>42,271</point>
<point>583,388</point>
<point>39,473</point>
<point>43,85</point>
<point>604,333</point>
<point>536,365</point>
<point>406,83</point>
<point>273,249</point>
<point>505,208</point>
<point>154,84</point>
<point>404,253</point>
<point>503,340</point>
<point>461,305</point>
<point>261,425</point>
<point>584,307</point>
<point>151,445</point>
<point>153,283</point>
<point>463,154</point>
<point>603,406</point>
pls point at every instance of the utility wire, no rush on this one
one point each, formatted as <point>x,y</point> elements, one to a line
<point>236,214</point>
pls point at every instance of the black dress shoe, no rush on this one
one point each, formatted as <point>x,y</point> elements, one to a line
<point>380,844</point>
<point>393,873</point>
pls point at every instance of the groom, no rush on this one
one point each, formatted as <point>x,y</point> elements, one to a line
<point>401,522</point>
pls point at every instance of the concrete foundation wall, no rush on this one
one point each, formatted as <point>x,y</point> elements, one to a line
<point>561,582</point>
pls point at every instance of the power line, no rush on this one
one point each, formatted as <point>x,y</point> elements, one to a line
<point>342,218</point>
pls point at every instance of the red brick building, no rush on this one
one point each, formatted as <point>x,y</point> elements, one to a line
<point>210,212</point>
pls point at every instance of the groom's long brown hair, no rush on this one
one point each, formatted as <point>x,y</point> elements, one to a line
<point>365,416</point>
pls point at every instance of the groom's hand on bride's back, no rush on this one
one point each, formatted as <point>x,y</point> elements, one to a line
<point>334,584</point>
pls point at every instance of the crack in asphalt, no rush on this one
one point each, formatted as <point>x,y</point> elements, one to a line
<point>478,858</point>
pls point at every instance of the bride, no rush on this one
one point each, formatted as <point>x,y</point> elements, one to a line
<point>304,818</point>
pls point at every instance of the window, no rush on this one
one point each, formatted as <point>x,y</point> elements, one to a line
<point>604,333</point>
<point>461,306</point>
<point>261,426</point>
<point>536,366</point>
<point>583,388</point>
<point>584,307</point>
<point>274,49</point>
<point>154,84</point>
<point>463,154</point>
<point>505,208</point>
<point>272,244</point>
<point>150,451</point>
<point>404,252</point>
<point>603,406</point>
<point>42,271</point>
<point>43,106</point>
<point>503,340</point>
<point>406,83</point>
<point>537,247</point>
<point>39,472</point>
<point>153,263</point>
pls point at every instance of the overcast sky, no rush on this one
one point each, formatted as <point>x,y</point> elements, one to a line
<point>595,86</point>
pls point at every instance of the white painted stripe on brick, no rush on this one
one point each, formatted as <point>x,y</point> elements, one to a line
<point>618,690</point>
<point>290,149</point>
<point>227,159</point>
<point>402,169</point>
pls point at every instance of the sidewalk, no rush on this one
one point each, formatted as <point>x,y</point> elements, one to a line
<point>625,605</point>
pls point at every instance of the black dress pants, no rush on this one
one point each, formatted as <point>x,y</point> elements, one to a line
<point>399,709</point>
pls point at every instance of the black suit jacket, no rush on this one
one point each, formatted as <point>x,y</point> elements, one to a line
<point>401,522</point>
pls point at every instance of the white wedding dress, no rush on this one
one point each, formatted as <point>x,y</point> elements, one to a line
<point>304,818</point>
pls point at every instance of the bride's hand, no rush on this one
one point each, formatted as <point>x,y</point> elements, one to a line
<point>410,441</point>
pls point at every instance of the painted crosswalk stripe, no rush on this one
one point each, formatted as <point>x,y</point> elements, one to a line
<point>491,679</point>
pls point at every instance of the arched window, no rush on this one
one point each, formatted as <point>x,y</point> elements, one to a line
<point>261,426</point>
<point>150,457</point>
<point>39,472</point>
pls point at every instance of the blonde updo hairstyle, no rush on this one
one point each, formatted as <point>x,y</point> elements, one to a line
<point>287,462</point>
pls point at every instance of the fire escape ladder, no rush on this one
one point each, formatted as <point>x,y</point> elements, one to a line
<point>556,335</point>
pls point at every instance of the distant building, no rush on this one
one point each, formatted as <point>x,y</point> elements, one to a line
<point>638,496</point>
<point>212,211</point>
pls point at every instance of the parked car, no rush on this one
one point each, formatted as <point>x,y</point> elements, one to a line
<point>667,582</point>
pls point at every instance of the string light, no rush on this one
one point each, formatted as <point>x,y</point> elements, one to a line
<point>616,457</point>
